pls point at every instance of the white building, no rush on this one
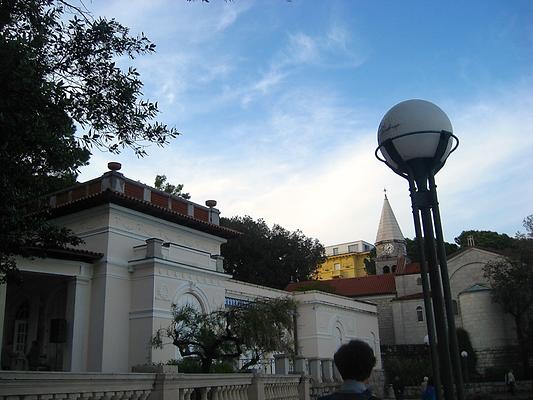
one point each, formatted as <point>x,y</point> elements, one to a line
<point>397,292</point>
<point>95,308</point>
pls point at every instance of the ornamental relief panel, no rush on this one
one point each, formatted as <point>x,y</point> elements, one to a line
<point>162,293</point>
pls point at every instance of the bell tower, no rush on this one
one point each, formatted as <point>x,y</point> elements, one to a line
<point>390,243</point>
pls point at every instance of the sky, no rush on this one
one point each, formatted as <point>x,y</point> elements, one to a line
<point>279,102</point>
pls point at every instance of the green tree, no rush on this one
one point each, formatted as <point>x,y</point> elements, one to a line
<point>370,262</point>
<point>271,257</point>
<point>412,249</point>
<point>464,343</point>
<point>176,190</point>
<point>254,329</point>
<point>57,73</point>
<point>486,239</point>
<point>511,280</point>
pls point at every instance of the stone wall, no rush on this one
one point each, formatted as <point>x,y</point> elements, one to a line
<point>385,319</point>
<point>499,359</point>
<point>407,328</point>
<point>481,390</point>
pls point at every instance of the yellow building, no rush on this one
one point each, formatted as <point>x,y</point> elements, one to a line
<point>345,260</point>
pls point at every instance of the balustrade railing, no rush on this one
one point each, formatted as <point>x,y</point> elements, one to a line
<point>163,383</point>
<point>73,386</point>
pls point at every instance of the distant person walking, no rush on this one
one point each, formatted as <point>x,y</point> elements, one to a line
<point>510,381</point>
<point>398,387</point>
<point>424,385</point>
<point>429,393</point>
<point>355,361</point>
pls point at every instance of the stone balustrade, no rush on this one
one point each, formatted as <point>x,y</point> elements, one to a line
<point>19,385</point>
<point>74,386</point>
<point>309,380</point>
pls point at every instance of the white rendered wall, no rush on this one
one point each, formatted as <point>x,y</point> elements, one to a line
<point>321,314</point>
<point>407,284</point>
<point>484,320</point>
<point>466,269</point>
<point>385,316</point>
<point>407,328</point>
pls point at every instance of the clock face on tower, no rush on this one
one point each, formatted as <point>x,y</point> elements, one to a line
<point>388,248</point>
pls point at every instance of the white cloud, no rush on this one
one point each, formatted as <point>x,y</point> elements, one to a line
<point>296,172</point>
<point>305,159</point>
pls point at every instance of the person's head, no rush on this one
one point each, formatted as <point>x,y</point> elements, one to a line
<point>355,360</point>
<point>425,378</point>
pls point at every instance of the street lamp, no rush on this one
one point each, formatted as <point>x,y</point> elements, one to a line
<point>415,137</point>
<point>464,356</point>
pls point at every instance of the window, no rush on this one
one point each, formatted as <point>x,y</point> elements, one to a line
<point>335,251</point>
<point>419,314</point>
<point>337,266</point>
<point>21,329</point>
<point>394,268</point>
<point>386,269</point>
<point>419,281</point>
<point>338,337</point>
<point>233,302</point>
<point>352,248</point>
<point>455,307</point>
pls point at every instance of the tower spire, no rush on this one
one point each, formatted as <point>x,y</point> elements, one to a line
<point>388,228</point>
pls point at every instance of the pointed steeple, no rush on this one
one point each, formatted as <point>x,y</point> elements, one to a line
<point>388,229</point>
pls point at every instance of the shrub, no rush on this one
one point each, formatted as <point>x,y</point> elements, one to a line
<point>192,365</point>
<point>410,370</point>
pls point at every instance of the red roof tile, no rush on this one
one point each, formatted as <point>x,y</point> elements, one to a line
<point>352,287</point>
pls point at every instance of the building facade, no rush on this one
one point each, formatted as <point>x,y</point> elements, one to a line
<point>344,260</point>
<point>96,307</point>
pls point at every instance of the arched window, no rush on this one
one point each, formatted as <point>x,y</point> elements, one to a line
<point>393,268</point>
<point>419,281</point>
<point>338,337</point>
<point>386,269</point>
<point>419,313</point>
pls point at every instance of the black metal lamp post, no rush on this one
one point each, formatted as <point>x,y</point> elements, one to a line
<point>415,138</point>
<point>464,356</point>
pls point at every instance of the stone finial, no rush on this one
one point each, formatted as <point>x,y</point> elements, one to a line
<point>210,203</point>
<point>114,166</point>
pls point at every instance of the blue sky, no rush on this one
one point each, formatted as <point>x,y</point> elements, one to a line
<point>279,104</point>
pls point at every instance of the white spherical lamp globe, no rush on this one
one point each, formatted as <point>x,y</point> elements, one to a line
<point>412,130</point>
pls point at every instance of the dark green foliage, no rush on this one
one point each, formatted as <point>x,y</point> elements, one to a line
<point>464,343</point>
<point>270,257</point>
<point>511,279</point>
<point>253,329</point>
<point>412,249</point>
<point>77,58</point>
<point>56,74</point>
<point>191,365</point>
<point>176,190</point>
<point>487,240</point>
<point>411,370</point>
<point>370,262</point>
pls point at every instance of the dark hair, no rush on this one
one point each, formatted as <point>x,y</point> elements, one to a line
<point>355,360</point>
